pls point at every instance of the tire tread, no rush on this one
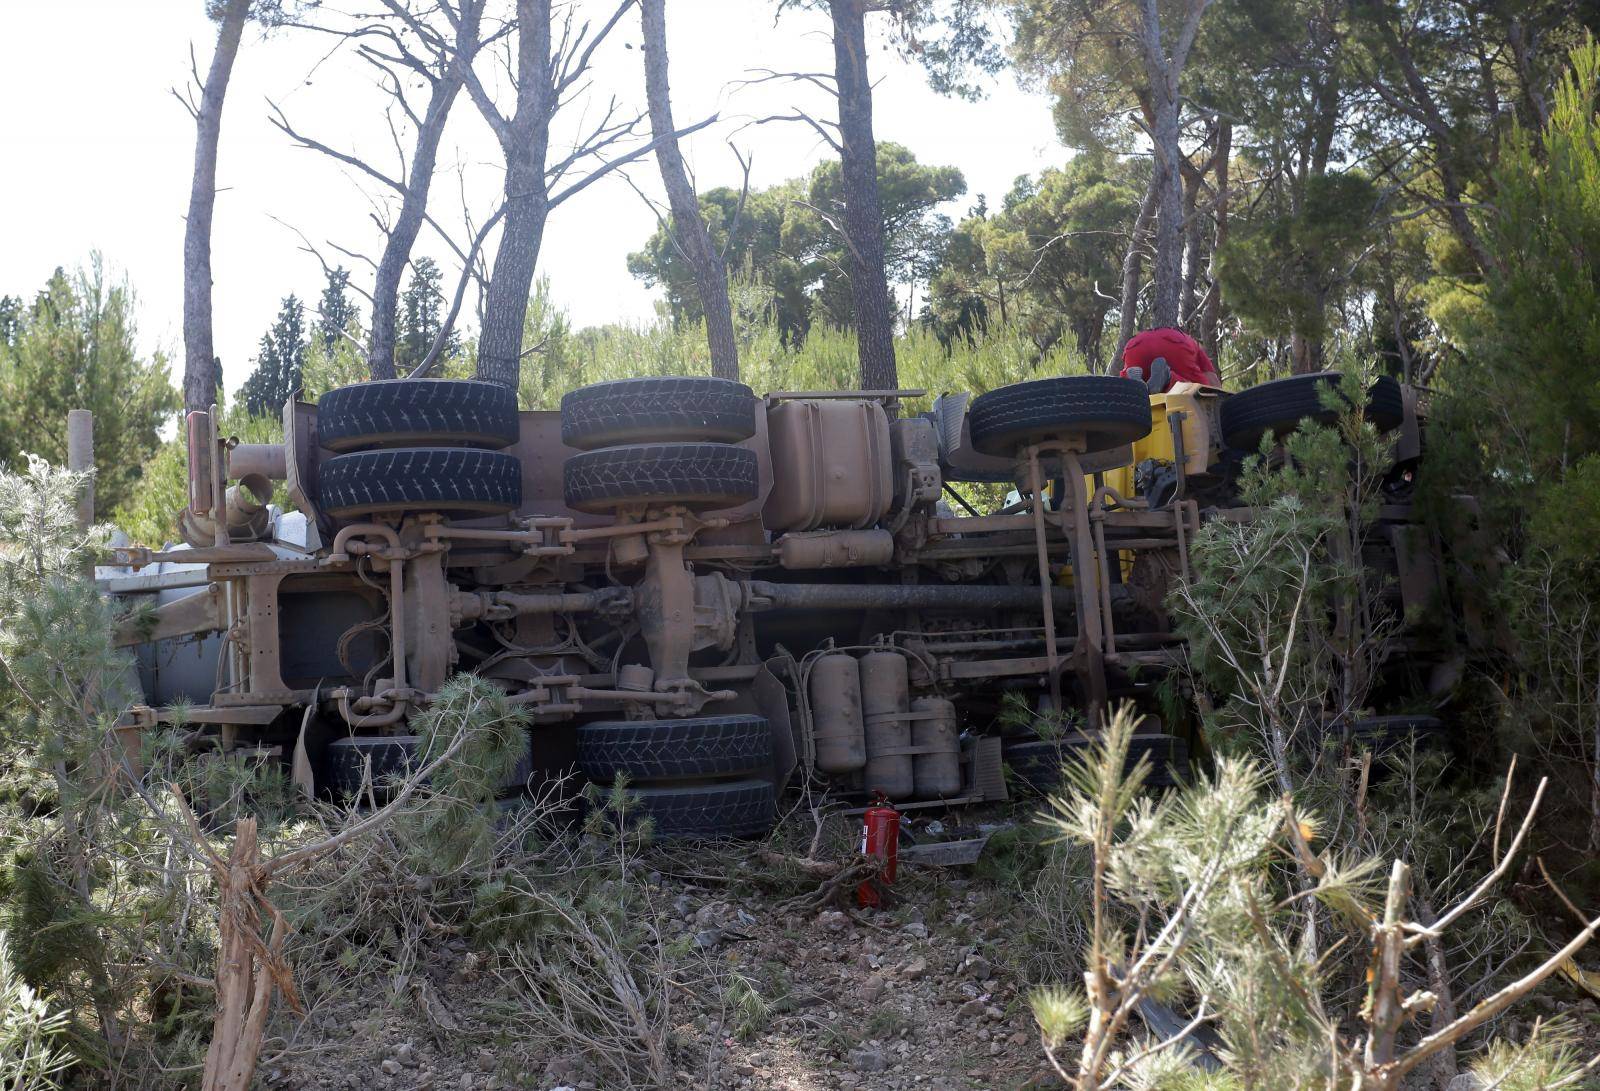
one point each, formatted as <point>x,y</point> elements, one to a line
<point>417,412</point>
<point>703,474</point>
<point>420,478</point>
<point>1107,409</point>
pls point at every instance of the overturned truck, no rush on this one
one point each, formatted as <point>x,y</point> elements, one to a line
<point>716,594</point>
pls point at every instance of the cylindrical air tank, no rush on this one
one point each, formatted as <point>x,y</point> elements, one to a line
<point>836,714</point>
<point>936,735</point>
<point>885,700</point>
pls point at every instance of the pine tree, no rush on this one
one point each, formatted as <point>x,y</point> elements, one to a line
<point>336,310</point>
<point>10,318</point>
<point>420,317</point>
<point>279,361</point>
<point>74,347</point>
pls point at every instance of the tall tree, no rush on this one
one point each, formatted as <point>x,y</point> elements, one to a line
<point>199,389</point>
<point>863,212</point>
<point>280,361</point>
<point>1165,55</point>
<point>780,235</point>
<point>336,311</point>
<point>1280,67</point>
<point>524,138</point>
<point>551,73</point>
<point>421,319</point>
<point>75,347</point>
<point>10,318</point>
<point>1117,72</point>
<point>687,225</point>
<point>1046,261</point>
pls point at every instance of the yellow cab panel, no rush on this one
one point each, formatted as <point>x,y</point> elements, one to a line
<point>1201,436</point>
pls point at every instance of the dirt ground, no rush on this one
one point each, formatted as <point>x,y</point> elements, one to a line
<point>922,994</point>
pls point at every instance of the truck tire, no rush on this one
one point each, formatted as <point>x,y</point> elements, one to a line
<point>1036,764</point>
<point>394,756</point>
<point>1383,733</point>
<point>703,475</point>
<point>454,480</point>
<point>708,812</point>
<point>1281,405</point>
<point>663,410</point>
<point>1106,410</point>
<point>417,412</point>
<point>655,750</point>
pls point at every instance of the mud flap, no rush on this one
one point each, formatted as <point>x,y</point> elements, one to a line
<point>772,701</point>
<point>988,773</point>
<point>300,767</point>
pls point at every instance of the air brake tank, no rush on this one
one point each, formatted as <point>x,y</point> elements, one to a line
<point>885,702</point>
<point>836,714</point>
<point>937,738</point>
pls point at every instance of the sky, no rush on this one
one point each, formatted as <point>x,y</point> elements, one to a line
<point>101,152</point>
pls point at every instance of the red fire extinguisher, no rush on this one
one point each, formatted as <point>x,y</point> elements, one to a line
<point>880,837</point>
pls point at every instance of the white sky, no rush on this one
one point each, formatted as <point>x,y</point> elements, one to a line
<point>100,153</point>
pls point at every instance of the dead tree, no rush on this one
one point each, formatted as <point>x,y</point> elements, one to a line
<point>549,74</point>
<point>440,58</point>
<point>199,355</point>
<point>863,214</point>
<point>689,230</point>
<point>251,968</point>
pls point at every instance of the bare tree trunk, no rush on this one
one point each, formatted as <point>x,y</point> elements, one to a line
<point>199,356</point>
<point>1165,75</point>
<point>1166,268</point>
<point>1193,254</point>
<point>525,141</point>
<point>863,215</point>
<point>246,976</point>
<point>1087,334</point>
<point>1211,313</point>
<point>1444,1009</point>
<point>1131,262</point>
<point>688,227</point>
<point>414,201</point>
<point>1522,50</point>
<point>1302,357</point>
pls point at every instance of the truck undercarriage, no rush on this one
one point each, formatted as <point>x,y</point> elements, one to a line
<point>716,594</point>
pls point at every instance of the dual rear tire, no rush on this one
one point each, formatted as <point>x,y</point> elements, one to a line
<point>697,778</point>
<point>652,442</point>
<point>1036,764</point>
<point>418,445</point>
<point>380,760</point>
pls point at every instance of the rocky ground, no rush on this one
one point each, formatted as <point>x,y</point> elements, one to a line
<point>923,994</point>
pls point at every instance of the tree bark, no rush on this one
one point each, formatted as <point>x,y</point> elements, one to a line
<point>248,971</point>
<point>199,355</point>
<point>1193,252</point>
<point>1131,263</point>
<point>1166,267</point>
<point>1164,73</point>
<point>1211,313</point>
<point>525,141</point>
<point>863,214</point>
<point>414,201</point>
<point>688,226</point>
<point>1535,107</point>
